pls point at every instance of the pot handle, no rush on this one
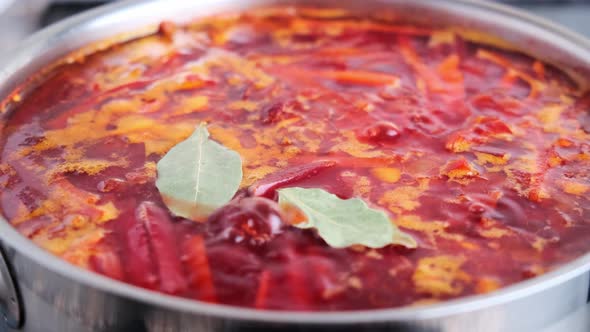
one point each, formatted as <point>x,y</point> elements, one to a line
<point>10,307</point>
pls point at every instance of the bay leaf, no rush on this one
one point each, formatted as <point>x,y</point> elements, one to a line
<point>198,175</point>
<point>343,223</point>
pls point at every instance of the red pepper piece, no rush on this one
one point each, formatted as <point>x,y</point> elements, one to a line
<point>200,277</point>
<point>162,239</point>
<point>267,186</point>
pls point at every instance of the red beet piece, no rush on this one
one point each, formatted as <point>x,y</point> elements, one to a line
<point>252,220</point>
<point>298,278</point>
<point>235,270</point>
<point>267,186</point>
<point>107,262</point>
<point>381,133</point>
<point>159,228</point>
<point>139,263</point>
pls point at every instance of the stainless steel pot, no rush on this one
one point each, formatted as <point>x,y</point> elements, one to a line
<point>40,292</point>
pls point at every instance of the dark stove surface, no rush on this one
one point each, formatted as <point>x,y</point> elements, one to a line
<point>62,9</point>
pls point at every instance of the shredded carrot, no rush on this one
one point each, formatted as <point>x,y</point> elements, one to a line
<point>359,77</point>
<point>449,69</point>
<point>539,69</point>
<point>447,80</point>
<point>352,162</point>
<point>512,74</point>
<point>492,57</point>
<point>339,51</point>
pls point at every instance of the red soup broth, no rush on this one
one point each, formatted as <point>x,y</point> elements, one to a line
<point>480,153</point>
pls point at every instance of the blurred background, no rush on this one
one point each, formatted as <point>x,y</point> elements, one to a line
<point>20,18</point>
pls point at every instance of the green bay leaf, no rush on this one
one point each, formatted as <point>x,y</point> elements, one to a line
<point>342,223</point>
<point>198,175</point>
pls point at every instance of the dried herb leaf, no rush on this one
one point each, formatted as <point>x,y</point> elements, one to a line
<point>198,175</point>
<point>342,223</point>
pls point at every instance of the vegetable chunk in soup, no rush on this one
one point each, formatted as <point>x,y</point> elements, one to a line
<point>303,159</point>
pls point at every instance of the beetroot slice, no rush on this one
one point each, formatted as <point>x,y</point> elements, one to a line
<point>107,262</point>
<point>267,186</point>
<point>139,265</point>
<point>162,239</point>
<point>297,277</point>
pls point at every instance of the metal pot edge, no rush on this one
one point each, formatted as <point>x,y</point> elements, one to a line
<point>41,42</point>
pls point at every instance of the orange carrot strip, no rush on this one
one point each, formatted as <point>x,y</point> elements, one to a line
<point>512,73</point>
<point>493,57</point>
<point>539,69</point>
<point>338,51</point>
<point>358,77</point>
<point>201,277</point>
<point>346,161</point>
<point>262,293</point>
<point>449,69</point>
<point>372,25</point>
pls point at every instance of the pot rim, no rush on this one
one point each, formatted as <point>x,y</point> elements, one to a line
<point>24,54</point>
